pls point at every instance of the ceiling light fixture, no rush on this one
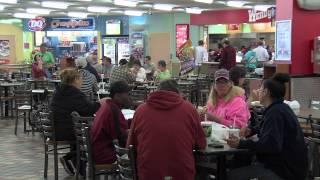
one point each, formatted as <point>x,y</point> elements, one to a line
<point>163,7</point>
<point>204,1</point>
<point>193,10</point>
<point>237,4</point>
<point>178,9</point>
<point>9,1</point>
<point>133,13</point>
<point>262,7</point>
<point>98,9</point>
<point>2,7</point>
<point>38,11</point>
<point>77,14</point>
<point>24,15</point>
<point>55,4</point>
<point>125,3</point>
<point>146,5</point>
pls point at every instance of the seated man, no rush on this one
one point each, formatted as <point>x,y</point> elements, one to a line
<point>122,73</point>
<point>110,124</point>
<point>165,130</point>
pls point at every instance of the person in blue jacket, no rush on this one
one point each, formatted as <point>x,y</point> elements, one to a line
<point>281,152</point>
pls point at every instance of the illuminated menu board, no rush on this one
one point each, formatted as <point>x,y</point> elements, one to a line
<point>182,35</point>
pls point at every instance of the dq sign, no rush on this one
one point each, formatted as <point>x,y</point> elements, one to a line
<point>36,24</point>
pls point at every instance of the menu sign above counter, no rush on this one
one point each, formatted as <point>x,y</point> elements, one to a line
<point>72,24</point>
<point>182,35</point>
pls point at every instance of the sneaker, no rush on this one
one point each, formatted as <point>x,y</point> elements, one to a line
<point>67,166</point>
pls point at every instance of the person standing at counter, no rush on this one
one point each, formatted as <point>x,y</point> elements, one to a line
<point>106,66</point>
<point>280,150</point>
<point>228,56</point>
<point>200,55</point>
<point>262,54</point>
<point>149,67</point>
<point>48,60</point>
<point>250,59</point>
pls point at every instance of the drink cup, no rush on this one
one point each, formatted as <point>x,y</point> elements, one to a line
<point>234,132</point>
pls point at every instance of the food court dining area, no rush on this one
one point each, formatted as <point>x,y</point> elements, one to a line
<point>159,90</point>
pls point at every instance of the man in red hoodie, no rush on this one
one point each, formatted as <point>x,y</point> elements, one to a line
<point>228,56</point>
<point>165,130</point>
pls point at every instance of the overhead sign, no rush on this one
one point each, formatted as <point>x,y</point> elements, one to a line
<point>72,24</point>
<point>259,15</point>
<point>37,24</point>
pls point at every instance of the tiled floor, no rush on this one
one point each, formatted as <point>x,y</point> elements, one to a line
<point>22,157</point>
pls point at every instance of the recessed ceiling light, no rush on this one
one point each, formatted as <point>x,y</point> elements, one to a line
<point>9,1</point>
<point>178,9</point>
<point>205,1</point>
<point>133,13</point>
<point>125,3</point>
<point>262,7</point>
<point>146,5</point>
<point>193,10</point>
<point>38,11</point>
<point>55,4</point>
<point>163,7</point>
<point>237,4</point>
<point>2,7</point>
<point>77,14</point>
<point>24,15</point>
<point>98,9</point>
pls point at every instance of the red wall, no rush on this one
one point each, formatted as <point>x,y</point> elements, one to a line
<point>235,16</point>
<point>305,26</point>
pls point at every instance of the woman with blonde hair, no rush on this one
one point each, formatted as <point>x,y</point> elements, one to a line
<point>66,99</point>
<point>226,104</point>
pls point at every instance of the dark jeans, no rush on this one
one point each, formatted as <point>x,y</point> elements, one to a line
<point>251,172</point>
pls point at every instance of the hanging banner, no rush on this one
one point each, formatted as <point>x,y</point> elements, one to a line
<point>72,24</point>
<point>283,40</point>
<point>182,35</point>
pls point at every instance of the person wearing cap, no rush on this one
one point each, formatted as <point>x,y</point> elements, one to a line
<point>110,124</point>
<point>122,73</point>
<point>106,66</point>
<point>226,104</point>
<point>89,83</point>
<point>165,137</point>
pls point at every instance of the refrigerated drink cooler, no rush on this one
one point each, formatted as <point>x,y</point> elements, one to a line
<point>116,48</point>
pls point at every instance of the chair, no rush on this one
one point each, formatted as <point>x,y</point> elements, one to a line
<point>22,104</point>
<point>315,127</point>
<point>203,90</point>
<point>85,150</point>
<point>48,132</point>
<point>4,99</point>
<point>188,90</point>
<point>138,96</point>
<point>126,160</point>
<point>314,104</point>
<point>79,123</point>
<point>313,145</point>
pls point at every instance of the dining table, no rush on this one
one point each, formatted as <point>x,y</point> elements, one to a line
<point>6,86</point>
<point>221,154</point>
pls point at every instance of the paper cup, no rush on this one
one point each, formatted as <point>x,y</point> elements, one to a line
<point>207,128</point>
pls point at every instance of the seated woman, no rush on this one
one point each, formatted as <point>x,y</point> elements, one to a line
<point>139,71</point>
<point>281,152</point>
<point>66,99</point>
<point>89,83</point>
<point>226,104</point>
<point>38,72</point>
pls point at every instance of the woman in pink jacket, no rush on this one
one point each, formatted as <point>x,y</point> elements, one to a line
<point>226,104</point>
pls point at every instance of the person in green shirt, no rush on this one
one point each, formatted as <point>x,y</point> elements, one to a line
<point>47,58</point>
<point>163,73</point>
<point>250,60</point>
